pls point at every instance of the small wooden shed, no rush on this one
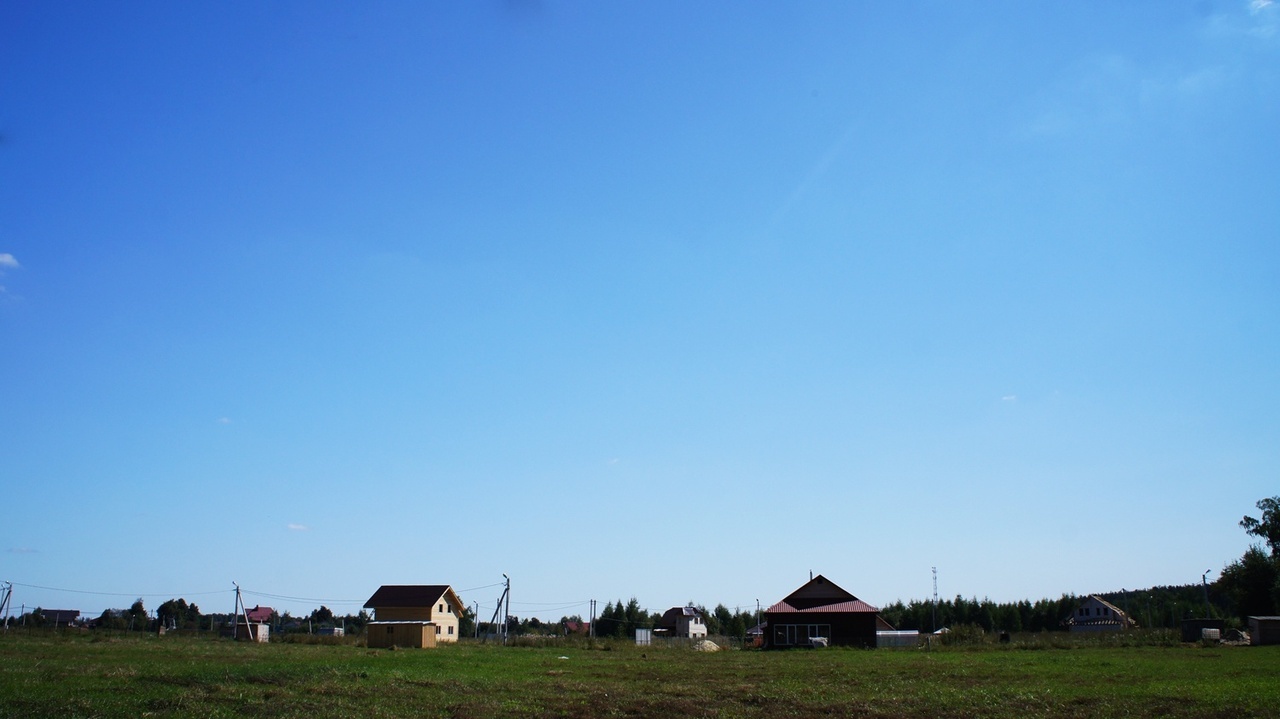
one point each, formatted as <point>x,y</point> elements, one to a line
<point>404,633</point>
<point>252,632</point>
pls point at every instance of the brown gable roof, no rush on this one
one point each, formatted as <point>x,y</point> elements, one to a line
<point>821,595</point>
<point>410,595</point>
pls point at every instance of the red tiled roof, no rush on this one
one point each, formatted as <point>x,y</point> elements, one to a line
<point>259,614</point>
<point>856,606</point>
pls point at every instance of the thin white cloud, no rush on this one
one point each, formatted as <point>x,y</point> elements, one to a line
<point>23,550</point>
<point>224,420</point>
<point>9,261</point>
<point>298,527</point>
<point>1117,88</point>
<point>1010,398</point>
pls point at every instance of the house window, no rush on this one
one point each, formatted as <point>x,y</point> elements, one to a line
<point>437,629</point>
<point>451,630</point>
<point>391,630</point>
<point>790,634</point>
<point>442,607</point>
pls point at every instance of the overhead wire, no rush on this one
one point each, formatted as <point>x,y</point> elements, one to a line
<point>124,594</point>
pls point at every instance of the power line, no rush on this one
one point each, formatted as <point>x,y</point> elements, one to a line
<point>124,594</point>
<point>303,599</point>
<point>475,589</point>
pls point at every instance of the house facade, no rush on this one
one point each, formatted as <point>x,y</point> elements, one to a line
<point>821,610</point>
<point>414,615</point>
<point>1095,614</point>
<point>682,622</point>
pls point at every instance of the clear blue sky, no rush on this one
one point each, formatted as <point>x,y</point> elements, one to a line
<point>670,300</point>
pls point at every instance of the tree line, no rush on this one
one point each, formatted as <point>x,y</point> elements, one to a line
<point>1248,586</point>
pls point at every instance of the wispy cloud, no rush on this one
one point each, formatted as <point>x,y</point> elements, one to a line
<point>8,261</point>
<point>23,550</point>
<point>1117,88</point>
<point>1010,398</point>
<point>298,527</point>
<point>224,420</point>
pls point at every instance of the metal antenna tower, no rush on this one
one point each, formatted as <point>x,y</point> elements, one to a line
<point>935,599</point>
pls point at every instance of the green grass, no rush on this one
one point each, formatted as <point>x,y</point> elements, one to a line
<point>84,676</point>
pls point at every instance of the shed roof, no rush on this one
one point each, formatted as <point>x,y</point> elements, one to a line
<point>413,595</point>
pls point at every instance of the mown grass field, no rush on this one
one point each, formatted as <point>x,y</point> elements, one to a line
<point>80,676</point>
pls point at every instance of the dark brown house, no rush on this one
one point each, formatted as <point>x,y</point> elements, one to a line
<point>821,609</point>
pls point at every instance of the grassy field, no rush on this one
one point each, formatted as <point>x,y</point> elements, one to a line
<point>81,676</point>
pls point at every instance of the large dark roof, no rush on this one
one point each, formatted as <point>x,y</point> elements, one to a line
<point>406,595</point>
<point>857,606</point>
<point>821,595</point>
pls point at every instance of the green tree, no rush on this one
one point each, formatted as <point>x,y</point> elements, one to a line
<point>1252,584</point>
<point>466,622</point>
<point>137,616</point>
<point>177,613</point>
<point>1268,527</point>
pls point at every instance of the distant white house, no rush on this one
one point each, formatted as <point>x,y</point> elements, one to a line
<point>1098,615</point>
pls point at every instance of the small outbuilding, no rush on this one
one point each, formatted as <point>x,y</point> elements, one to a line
<point>60,617</point>
<point>1194,630</point>
<point>252,632</point>
<point>1264,630</point>
<point>413,615</point>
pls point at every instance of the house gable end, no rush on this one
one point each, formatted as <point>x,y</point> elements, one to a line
<point>817,592</point>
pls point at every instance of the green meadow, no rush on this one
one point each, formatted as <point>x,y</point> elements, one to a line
<point>92,676</point>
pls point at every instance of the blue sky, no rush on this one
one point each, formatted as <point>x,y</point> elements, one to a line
<point>678,301</point>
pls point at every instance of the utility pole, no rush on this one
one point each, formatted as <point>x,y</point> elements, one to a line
<point>240,611</point>
<point>1204,581</point>
<point>4,604</point>
<point>500,610</point>
<point>591,626</point>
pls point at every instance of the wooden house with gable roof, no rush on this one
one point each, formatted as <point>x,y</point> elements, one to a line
<point>821,609</point>
<point>413,615</point>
